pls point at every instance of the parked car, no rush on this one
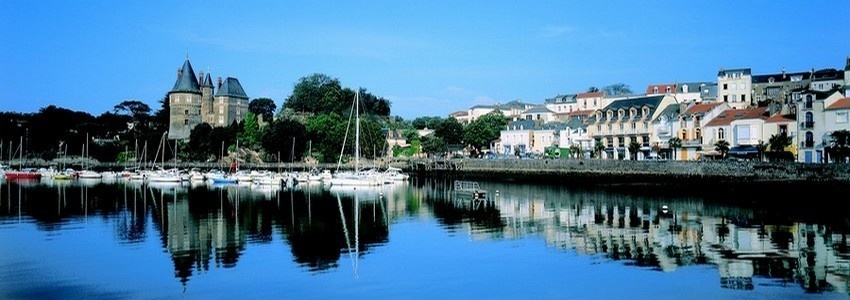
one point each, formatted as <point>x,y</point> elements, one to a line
<point>654,158</point>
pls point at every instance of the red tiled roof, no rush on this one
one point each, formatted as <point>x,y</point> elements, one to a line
<point>781,118</point>
<point>662,88</point>
<point>841,103</point>
<point>729,115</point>
<point>701,108</point>
<point>590,95</point>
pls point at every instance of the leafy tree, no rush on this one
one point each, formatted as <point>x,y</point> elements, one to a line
<point>675,143</point>
<point>133,108</point>
<point>263,107</point>
<point>427,122</point>
<point>634,148</point>
<point>617,89</point>
<point>598,148</point>
<point>761,147</point>
<point>411,135</point>
<point>251,135</point>
<point>450,130</point>
<point>317,93</point>
<point>327,131</point>
<point>280,137</point>
<point>434,145</point>
<point>480,132</point>
<point>576,151</point>
<point>592,89</point>
<point>777,144</point>
<point>722,146</point>
<point>839,145</point>
<point>200,144</point>
<point>221,138</point>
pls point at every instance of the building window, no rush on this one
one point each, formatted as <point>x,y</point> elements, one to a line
<point>634,126</point>
<point>743,98</point>
<point>186,122</point>
<point>186,112</point>
<point>598,128</point>
<point>743,86</point>
<point>725,87</point>
<point>721,134</point>
<point>841,117</point>
<point>621,126</point>
<point>735,98</point>
<point>808,101</point>
<point>609,127</point>
<point>668,89</point>
<point>655,90</point>
<point>621,141</point>
<point>725,98</point>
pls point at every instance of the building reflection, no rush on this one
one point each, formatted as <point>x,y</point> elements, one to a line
<point>203,226</point>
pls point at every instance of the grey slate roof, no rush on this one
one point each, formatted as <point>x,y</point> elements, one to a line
<point>538,109</point>
<point>651,101</point>
<point>574,123</point>
<point>231,88</point>
<point>186,81</point>
<point>208,81</point>
<point>671,111</point>
<point>746,71</point>
<point>521,125</point>
<point>569,98</point>
<point>779,77</point>
<point>551,126</point>
<point>693,87</point>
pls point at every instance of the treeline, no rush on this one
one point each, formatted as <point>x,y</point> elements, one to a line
<point>314,123</point>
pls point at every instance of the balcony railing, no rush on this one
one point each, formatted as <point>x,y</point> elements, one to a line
<point>807,144</point>
<point>807,124</point>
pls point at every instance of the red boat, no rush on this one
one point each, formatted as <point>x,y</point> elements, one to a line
<point>12,174</point>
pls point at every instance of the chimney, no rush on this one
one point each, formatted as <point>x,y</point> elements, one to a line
<point>219,83</point>
<point>201,77</point>
<point>783,73</point>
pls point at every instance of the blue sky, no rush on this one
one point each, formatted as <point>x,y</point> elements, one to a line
<point>427,57</point>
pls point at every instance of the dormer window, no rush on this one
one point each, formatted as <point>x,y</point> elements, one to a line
<point>632,113</point>
<point>668,89</point>
<point>620,113</point>
<point>655,90</point>
<point>610,115</point>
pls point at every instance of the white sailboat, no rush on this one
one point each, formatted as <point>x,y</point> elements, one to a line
<point>357,177</point>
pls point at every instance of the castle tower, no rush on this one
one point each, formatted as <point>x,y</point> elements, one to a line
<point>184,100</point>
<point>231,102</point>
<point>207,101</point>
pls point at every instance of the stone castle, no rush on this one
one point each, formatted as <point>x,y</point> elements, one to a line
<point>193,102</point>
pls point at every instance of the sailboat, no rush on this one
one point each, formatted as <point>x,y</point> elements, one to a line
<point>22,173</point>
<point>87,173</point>
<point>357,177</point>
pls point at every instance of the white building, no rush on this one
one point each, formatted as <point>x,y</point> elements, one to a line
<point>734,87</point>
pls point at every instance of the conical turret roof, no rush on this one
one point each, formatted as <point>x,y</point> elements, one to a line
<point>231,88</point>
<point>208,81</point>
<point>186,81</point>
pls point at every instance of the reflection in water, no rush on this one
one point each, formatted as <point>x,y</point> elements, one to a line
<point>204,226</point>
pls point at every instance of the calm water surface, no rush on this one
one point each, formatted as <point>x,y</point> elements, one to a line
<point>416,240</point>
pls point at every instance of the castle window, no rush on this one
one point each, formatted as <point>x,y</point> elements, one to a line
<point>186,112</point>
<point>186,122</point>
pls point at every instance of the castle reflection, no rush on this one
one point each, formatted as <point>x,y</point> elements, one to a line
<point>206,226</point>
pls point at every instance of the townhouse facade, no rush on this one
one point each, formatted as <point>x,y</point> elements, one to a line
<point>742,109</point>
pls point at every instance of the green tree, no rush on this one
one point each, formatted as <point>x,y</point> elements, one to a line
<point>598,148</point>
<point>133,108</point>
<point>317,93</point>
<point>761,147</point>
<point>327,132</point>
<point>777,144</point>
<point>576,151</point>
<point>722,146</point>
<point>617,89</point>
<point>485,129</point>
<point>286,137</point>
<point>427,122</point>
<point>251,135</point>
<point>450,130</point>
<point>434,145</point>
<point>675,143</point>
<point>411,135</point>
<point>592,89</point>
<point>263,107</point>
<point>200,145</point>
<point>839,145</point>
<point>634,148</point>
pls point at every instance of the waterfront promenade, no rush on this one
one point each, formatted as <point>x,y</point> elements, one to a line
<point>587,171</point>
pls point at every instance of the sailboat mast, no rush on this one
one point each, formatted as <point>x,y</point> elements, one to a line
<point>357,132</point>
